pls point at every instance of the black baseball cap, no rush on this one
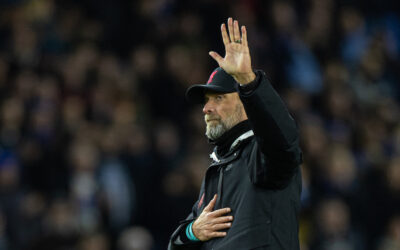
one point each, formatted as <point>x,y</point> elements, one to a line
<point>219,81</point>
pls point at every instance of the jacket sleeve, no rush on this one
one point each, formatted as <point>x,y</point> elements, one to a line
<point>175,242</point>
<point>278,153</point>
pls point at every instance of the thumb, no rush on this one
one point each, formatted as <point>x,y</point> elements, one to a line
<point>216,57</point>
<point>211,205</point>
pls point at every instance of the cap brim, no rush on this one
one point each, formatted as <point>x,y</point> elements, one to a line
<point>195,93</point>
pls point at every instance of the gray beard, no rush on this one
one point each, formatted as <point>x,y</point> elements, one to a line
<point>213,132</point>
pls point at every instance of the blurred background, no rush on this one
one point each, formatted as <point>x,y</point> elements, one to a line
<point>100,151</point>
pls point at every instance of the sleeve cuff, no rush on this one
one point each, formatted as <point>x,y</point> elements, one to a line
<point>183,237</point>
<point>187,235</point>
<point>250,87</point>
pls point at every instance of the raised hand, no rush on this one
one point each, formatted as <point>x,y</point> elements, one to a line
<point>237,60</point>
<point>209,223</point>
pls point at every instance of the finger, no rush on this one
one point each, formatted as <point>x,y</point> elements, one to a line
<point>211,205</point>
<point>236,32</point>
<point>244,36</point>
<point>222,219</point>
<point>217,234</point>
<point>224,33</point>
<point>216,57</point>
<point>230,29</point>
<point>221,226</point>
<point>220,212</point>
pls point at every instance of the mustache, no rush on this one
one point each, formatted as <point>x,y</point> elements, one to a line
<point>208,117</point>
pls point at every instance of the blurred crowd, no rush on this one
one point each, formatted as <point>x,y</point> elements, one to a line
<point>100,151</point>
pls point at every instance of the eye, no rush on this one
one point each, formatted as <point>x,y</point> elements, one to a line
<point>219,97</point>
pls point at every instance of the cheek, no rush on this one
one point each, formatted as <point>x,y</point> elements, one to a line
<point>220,112</point>
<point>224,110</point>
<point>223,114</point>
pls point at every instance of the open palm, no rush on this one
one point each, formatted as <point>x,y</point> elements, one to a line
<point>237,60</point>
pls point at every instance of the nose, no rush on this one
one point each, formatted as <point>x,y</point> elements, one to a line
<point>208,107</point>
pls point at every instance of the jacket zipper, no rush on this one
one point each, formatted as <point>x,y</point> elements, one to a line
<point>219,190</point>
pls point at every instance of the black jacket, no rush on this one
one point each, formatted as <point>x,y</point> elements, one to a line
<point>259,179</point>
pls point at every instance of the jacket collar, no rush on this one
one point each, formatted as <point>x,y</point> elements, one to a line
<point>214,156</point>
<point>224,142</point>
<point>241,138</point>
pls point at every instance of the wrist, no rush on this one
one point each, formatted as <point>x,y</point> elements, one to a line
<point>190,233</point>
<point>245,78</point>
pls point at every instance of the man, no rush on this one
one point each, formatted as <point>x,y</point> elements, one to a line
<point>250,194</point>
